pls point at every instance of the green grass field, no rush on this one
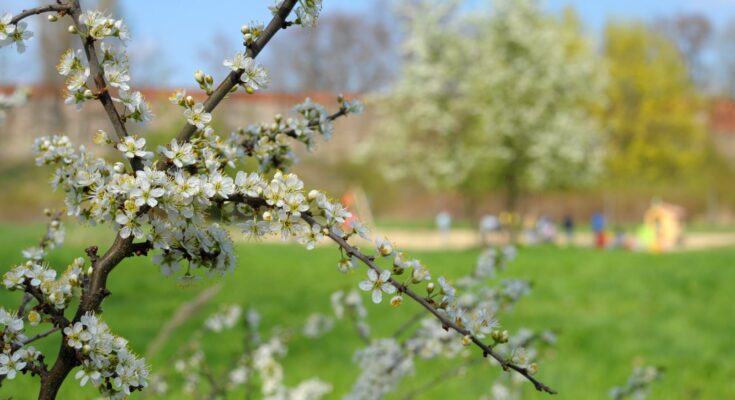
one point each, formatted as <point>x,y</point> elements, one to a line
<point>609,308</point>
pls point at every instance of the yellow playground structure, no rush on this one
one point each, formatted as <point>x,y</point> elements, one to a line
<point>663,227</point>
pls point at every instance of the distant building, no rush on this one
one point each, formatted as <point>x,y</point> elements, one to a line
<point>43,116</point>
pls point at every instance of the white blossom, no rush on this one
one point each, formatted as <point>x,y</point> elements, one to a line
<point>377,283</point>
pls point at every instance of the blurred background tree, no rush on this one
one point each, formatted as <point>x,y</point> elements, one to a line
<point>345,52</point>
<point>499,100</point>
<point>654,122</point>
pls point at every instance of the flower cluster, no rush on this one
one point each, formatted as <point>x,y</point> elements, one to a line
<point>307,12</point>
<point>638,384</point>
<point>251,32</point>
<point>225,319</point>
<point>57,292</point>
<point>257,365</point>
<point>14,358</point>
<point>383,364</point>
<point>253,76</point>
<point>269,143</point>
<point>99,25</point>
<point>107,363</point>
<point>114,63</point>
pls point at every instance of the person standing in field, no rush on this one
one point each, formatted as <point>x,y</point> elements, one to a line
<point>598,227</point>
<point>444,224</point>
<point>568,224</point>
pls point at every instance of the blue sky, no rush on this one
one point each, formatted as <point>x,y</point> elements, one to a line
<point>183,29</point>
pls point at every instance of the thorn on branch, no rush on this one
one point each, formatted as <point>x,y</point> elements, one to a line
<point>92,254</point>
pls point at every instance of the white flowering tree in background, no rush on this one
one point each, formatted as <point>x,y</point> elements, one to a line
<point>488,101</point>
<point>12,100</point>
<point>159,203</point>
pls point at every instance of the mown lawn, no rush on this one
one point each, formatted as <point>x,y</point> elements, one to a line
<point>609,308</point>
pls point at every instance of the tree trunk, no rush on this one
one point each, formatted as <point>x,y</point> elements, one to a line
<point>51,383</point>
<point>512,197</point>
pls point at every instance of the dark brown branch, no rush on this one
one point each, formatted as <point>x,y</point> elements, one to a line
<point>98,76</point>
<point>59,8</point>
<point>233,78</point>
<point>91,301</point>
<point>40,335</point>
<point>249,144</point>
<point>446,323</point>
<point>27,297</point>
<point>57,316</point>
<point>408,324</point>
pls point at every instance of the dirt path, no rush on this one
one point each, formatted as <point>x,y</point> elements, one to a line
<point>461,239</point>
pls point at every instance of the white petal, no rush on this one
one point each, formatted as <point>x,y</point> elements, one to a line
<point>388,288</point>
<point>372,275</point>
<point>385,275</point>
<point>377,296</point>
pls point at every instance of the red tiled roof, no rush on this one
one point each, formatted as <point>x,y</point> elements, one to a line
<point>722,116</point>
<point>155,94</point>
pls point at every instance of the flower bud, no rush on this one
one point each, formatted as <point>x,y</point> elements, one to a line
<point>47,212</point>
<point>466,340</point>
<point>209,80</point>
<point>533,368</point>
<point>189,101</point>
<point>267,216</point>
<point>430,287</point>
<point>72,29</point>
<point>245,29</point>
<point>313,194</point>
<point>88,94</point>
<point>199,76</point>
<point>249,90</point>
<point>118,167</point>
<point>396,301</point>
<point>34,317</point>
<point>100,137</point>
<point>55,223</point>
<point>53,18</point>
<point>344,265</point>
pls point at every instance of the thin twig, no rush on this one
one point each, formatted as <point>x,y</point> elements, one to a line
<point>186,311</point>
<point>60,8</point>
<point>408,324</point>
<point>448,374</point>
<point>233,78</point>
<point>446,323</point>
<point>23,304</point>
<point>40,335</point>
